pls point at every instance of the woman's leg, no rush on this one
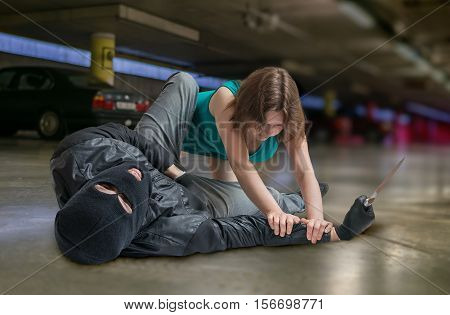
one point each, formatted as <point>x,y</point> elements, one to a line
<point>226,199</point>
<point>221,169</point>
<point>167,119</point>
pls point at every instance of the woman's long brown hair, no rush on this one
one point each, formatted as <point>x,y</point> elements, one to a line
<point>269,89</point>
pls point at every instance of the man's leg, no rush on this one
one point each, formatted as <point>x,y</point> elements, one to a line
<point>243,231</point>
<point>183,235</point>
<point>188,234</point>
<point>167,119</point>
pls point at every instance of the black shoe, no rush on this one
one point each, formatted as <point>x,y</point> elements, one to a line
<point>323,189</point>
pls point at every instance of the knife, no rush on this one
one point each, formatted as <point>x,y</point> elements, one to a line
<point>380,187</point>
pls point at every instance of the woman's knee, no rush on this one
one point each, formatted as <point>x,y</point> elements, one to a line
<point>185,80</point>
<point>291,202</point>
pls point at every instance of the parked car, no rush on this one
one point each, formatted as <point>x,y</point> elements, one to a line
<point>55,101</point>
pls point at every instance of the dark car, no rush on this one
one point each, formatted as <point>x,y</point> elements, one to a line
<point>55,101</point>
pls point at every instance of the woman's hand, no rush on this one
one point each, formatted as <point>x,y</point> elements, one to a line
<point>316,228</point>
<point>281,223</point>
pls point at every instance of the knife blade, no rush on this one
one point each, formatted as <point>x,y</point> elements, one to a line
<point>380,187</point>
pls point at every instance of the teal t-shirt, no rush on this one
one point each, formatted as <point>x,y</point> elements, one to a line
<point>203,137</point>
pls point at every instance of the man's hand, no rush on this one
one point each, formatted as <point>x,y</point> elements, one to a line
<point>316,228</point>
<point>281,223</point>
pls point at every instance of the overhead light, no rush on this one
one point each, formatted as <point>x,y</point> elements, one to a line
<point>429,112</point>
<point>405,51</point>
<point>22,46</point>
<point>358,15</point>
<point>438,75</point>
<point>422,66</point>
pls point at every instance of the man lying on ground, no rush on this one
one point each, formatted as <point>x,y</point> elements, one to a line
<point>115,214</point>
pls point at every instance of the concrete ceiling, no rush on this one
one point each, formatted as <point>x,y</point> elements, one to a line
<point>323,43</point>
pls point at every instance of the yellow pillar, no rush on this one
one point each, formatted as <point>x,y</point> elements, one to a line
<point>102,53</point>
<point>329,98</point>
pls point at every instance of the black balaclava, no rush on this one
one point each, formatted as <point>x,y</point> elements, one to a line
<point>93,227</point>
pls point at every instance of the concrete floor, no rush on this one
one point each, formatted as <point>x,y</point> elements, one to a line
<point>405,252</point>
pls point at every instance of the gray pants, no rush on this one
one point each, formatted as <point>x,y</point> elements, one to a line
<point>166,123</point>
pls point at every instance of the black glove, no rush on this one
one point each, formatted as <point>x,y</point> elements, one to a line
<point>357,220</point>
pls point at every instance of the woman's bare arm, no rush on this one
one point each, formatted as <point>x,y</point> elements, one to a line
<point>304,173</point>
<point>305,176</point>
<point>247,175</point>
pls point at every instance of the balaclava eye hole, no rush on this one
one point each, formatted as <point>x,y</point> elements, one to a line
<point>114,192</point>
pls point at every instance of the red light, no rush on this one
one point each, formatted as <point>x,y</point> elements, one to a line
<point>108,104</point>
<point>99,102</point>
<point>142,106</point>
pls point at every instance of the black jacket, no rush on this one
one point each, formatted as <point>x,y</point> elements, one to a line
<point>85,153</point>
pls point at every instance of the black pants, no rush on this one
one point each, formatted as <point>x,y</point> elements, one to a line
<point>189,233</point>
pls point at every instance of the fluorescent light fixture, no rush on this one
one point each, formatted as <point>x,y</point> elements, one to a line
<point>312,101</point>
<point>405,52</point>
<point>358,15</point>
<point>438,75</point>
<point>317,102</point>
<point>384,115</point>
<point>23,46</point>
<point>422,65</point>
<point>428,112</point>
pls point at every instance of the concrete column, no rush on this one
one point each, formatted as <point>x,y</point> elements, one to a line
<point>329,98</point>
<point>103,47</point>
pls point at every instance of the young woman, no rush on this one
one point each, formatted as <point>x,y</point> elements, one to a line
<point>241,123</point>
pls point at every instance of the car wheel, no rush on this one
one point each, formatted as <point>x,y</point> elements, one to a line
<point>50,125</point>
